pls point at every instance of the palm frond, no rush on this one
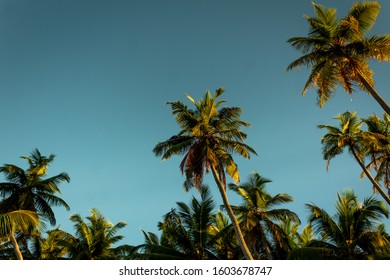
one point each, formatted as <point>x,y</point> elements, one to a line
<point>176,145</point>
<point>17,220</point>
<point>13,173</point>
<point>365,14</point>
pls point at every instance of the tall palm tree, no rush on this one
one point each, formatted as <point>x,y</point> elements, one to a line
<point>377,147</point>
<point>93,240</point>
<point>19,220</point>
<point>348,135</point>
<point>259,216</point>
<point>208,136</point>
<point>338,51</point>
<point>351,233</point>
<point>30,189</point>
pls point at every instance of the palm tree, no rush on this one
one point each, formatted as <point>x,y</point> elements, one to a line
<point>188,232</point>
<point>338,51</point>
<point>348,135</point>
<point>157,248</point>
<point>259,217</point>
<point>296,239</point>
<point>351,233</point>
<point>19,220</point>
<point>208,136</point>
<point>30,189</point>
<point>377,147</point>
<point>47,246</point>
<point>93,239</point>
<point>224,240</point>
<point>303,247</point>
<point>306,236</point>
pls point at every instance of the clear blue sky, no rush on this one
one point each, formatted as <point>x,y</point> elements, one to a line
<point>88,80</point>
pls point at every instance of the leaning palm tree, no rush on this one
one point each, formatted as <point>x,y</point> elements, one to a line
<point>19,220</point>
<point>338,51</point>
<point>93,240</point>
<point>208,137</point>
<point>348,135</point>
<point>351,233</point>
<point>260,216</point>
<point>30,189</point>
<point>377,147</point>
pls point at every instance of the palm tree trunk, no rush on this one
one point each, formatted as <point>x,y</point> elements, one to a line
<point>371,90</point>
<point>18,254</point>
<point>266,247</point>
<point>240,237</point>
<point>368,174</point>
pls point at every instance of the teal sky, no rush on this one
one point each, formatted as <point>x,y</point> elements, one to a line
<point>88,81</point>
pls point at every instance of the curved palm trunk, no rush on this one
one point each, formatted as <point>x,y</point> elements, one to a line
<point>371,90</point>
<point>18,254</point>
<point>368,174</point>
<point>240,237</point>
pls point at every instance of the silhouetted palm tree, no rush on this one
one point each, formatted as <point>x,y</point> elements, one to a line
<point>350,234</point>
<point>30,189</point>
<point>187,232</point>
<point>259,216</point>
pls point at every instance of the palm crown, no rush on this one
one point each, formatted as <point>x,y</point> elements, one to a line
<point>378,147</point>
<point>259,214</point>
<point>338,51</point>
<point>349,135</point>
<point>351,233</point>
<point>93,239</point>
<point>30,189</point>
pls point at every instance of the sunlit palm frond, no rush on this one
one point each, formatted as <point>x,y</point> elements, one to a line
<point>338,51</point>
<point>365,13</point>
<point>17,220</point>
<point>93,238</point>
